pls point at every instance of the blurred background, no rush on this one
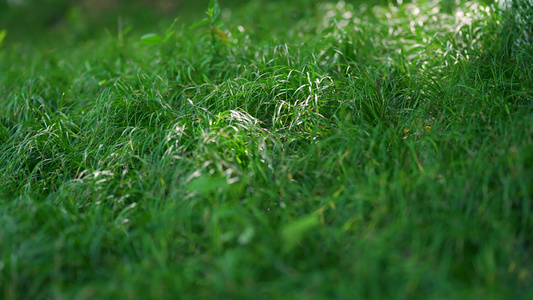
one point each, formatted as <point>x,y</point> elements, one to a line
<point>81,20</point>
<point>24,18</point>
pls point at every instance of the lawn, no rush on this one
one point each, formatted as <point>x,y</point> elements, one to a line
<point>305,149</point>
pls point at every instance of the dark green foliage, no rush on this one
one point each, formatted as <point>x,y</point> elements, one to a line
<point>321,151</point>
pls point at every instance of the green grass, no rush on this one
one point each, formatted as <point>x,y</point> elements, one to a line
<point>327,151</point>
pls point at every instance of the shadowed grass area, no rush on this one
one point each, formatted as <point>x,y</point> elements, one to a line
<point>326,150</point>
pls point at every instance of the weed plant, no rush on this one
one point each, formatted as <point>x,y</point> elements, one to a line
<point>292,150</point>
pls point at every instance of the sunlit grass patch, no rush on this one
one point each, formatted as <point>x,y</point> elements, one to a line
<point>409,37</point>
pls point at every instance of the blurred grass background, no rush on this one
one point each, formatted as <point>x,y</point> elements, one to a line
<point>31,18</point>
